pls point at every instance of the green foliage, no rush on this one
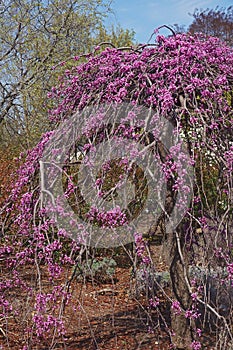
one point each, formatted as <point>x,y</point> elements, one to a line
<point>34,38</point>
<point>99,270</point>
<point>116,36</point>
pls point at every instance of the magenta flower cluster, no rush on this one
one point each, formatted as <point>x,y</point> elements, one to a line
<point>186,79</point>
<point>111,218</point>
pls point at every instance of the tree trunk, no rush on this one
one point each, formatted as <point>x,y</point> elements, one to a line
<point>181,326</point>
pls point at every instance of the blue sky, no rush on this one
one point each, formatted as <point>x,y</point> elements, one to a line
<point>143,16</point>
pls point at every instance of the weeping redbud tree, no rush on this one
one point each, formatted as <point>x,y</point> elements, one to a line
<point>182,188</point>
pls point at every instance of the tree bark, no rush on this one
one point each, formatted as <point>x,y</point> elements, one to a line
<point>177,261</point>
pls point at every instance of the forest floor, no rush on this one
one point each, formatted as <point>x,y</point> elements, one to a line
<point>106,316</point>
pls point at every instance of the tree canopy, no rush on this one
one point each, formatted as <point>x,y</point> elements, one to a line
<point>216,22</point>
<point>185,79</point>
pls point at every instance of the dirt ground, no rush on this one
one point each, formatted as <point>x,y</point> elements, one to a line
<point>110,316</point>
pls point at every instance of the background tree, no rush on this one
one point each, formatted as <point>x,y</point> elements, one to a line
<point>34,37</point>
<point>216,22</point>
<point>179,28</point>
